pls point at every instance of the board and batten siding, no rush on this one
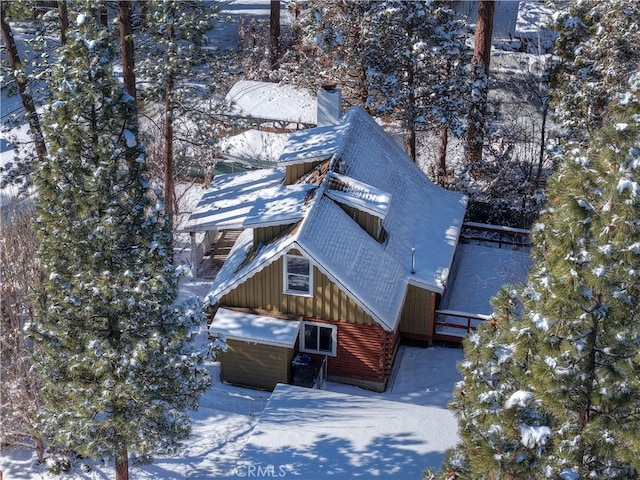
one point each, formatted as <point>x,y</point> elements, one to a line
<point>297,171</point>
<point>368,222</point>
<point>266,234</point>
<point>265,291</point>
<point>417,317</point>
<point>256,365</point>
<point>365,350</point>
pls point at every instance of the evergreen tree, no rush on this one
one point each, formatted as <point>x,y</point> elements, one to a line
<point>330,46</point>
<point>174,32</point>
<point>114,353</point>
<point>417,68</point>
<point>599,47</point>
<point>572,407</point>
<point>404,60</point>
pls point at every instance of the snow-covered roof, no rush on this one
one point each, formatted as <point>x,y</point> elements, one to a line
<point>255,328</point>
<point>254,147</point>
<point>272,101</point>
<point>359,195</point>
<point>246,199</point>
<point>531,23</point>
<point>306,432</point>
<point>382,180</point>
<point>316,144</point>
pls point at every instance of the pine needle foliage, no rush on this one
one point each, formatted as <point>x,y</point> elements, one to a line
<point>598,48</point>
<point>554,391</point>
<point>114,358</point>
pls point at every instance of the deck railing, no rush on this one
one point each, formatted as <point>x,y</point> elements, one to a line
<point>454,326</point>
<point>495,234</point>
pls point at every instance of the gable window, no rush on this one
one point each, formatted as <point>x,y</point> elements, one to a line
<point>297,275</point>
<point>318,338</point>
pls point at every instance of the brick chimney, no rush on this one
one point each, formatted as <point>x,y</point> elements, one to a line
<point>329,105</point>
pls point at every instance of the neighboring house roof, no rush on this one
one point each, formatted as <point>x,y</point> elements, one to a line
<point>368,171</point>
<point>321,434</point>
<point>254,148</point>
<point>272,101</point>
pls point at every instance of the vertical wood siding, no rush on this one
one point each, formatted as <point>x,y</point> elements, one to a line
<point>256,365</point>
<point>264,291</point>
<point>365,351</point>
<point>266,234</point>
<point>417,315</point>
<point>367,222</point>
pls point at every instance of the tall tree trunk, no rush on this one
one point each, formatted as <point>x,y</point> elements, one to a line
<point>442,154</point>
<point>274,34</point>
<point>21,82</point>
<point>104,15</point>
<point>411,107</point>
<point>169,191</point>
<point>122,466</point>
<point>480,74</point>
<point>64,20</point>
<point>126,46</point>
<point>411,114</point>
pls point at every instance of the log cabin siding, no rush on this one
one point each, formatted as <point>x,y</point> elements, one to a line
<point>418,314</point>
<point>256,365</point>
<point>364,355</point>
<point>265,291</point>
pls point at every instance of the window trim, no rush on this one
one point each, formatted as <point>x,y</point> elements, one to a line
<point>285,277</point>
<point>334,338</point>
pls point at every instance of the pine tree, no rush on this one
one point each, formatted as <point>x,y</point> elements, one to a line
<point>599,47</point>
<point>115,359</point>
<point>174,33</point>
<point>573,404</point>
<point>330,45</point>
<point>499,419</point>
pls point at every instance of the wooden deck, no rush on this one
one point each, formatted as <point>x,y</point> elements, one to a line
<point>454,325</point>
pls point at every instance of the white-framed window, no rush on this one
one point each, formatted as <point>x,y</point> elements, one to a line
<point>298,275</point>
<point>319,338</point>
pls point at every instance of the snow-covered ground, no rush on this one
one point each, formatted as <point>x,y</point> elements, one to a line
<point>227,416</point>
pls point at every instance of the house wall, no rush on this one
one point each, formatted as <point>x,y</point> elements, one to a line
<point>294,172</point>
<point>297,171</point>
<point>256,365</point>
<point>266,234</point>
<point>369,223</point>
<point>418,314</point>
<point>365,356</point>
<point>365,351</point>
<point>264,291</point>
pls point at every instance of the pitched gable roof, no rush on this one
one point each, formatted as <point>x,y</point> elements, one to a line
<point>380,179</point>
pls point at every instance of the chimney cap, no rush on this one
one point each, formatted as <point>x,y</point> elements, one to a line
<point>329,86</point>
